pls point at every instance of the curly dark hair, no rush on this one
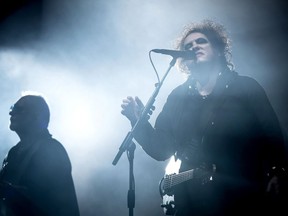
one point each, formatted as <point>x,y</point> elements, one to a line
<point>216,34</point>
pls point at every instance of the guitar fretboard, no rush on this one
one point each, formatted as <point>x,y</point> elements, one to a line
<point>175,179</point>
<point>172,180</point>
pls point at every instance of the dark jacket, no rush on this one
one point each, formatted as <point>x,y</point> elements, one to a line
<point>38,179</point>
<point>235,128</point>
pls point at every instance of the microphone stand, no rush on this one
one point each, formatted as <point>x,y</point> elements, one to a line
<point>131,191</point>
<point>128,144</point>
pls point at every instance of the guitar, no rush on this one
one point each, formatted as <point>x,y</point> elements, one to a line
<point>168,182</point>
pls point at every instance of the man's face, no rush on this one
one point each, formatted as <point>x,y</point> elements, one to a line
<point>22,117</point>
<point>202,48</point>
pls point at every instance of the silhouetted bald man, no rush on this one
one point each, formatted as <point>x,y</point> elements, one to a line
<point>36,174</point>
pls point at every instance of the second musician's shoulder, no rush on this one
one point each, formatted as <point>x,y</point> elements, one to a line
<point>247,82</point>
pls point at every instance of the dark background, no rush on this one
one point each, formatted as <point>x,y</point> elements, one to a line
<point>94,53</point>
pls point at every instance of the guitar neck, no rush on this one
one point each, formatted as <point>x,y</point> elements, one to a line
<point>175,179</point>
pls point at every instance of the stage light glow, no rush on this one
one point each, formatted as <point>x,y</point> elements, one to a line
<point>173,166</point>
<point>95,53</point>
<point>77,120</point>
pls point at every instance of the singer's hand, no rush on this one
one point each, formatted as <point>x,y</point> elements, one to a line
<point>132,108</point>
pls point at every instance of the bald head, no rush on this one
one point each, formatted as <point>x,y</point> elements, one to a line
<point>29,111</point>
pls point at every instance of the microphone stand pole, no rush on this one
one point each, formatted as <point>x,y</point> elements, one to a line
<point>131,191</point>
<point>128,144</point>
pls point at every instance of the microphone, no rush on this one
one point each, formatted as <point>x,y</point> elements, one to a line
<point>187,54</point>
